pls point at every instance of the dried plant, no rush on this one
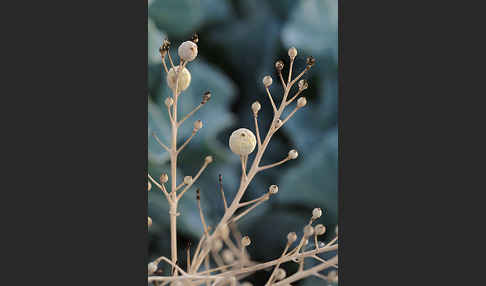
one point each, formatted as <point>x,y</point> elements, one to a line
<point>223,246</point>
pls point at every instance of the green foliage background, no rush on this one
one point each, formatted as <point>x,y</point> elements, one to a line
<point>239,43</point>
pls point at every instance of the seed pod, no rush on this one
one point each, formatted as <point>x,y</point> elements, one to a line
<point>291,237</point>
<point>152,267</point>
<point>187,51</point>
<point>208,159</point>
<point>169,101</point>
<point>184,78</point>
<point>256,107</point>
<point>278,123</point>
<point>217,245</point>
<point>293,154</point>
<point>267,81</point>
<point>149,221</point>
<point>316,213</point>
<point>149,187</point>
<point>333,276</point>
<point>228,256</point>
<point>280,274</point>
<point>310,61</point>
<point>301,102</point>
<point>198,125</point>
<point>308,230</point>
<point>206,97</point>
<point>245,241</point>
<point>279,65</point>
<point>195,38</point>
<point>292,53</point>
<point>187,180</point>
<point>320,229</point>
<point>273,189</point>
<point>303,85</point>
<point>242,142</point>
<point>164,178</point>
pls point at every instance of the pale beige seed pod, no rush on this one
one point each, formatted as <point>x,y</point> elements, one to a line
<point>198,125</point>
<point>256,107</point>
<point>164,178</point>
<point>291,237</point>
<point>245,241</point>
<point>303,85</point>
<point>320,229</point>
<point>187,51</point>
<point>169,101</point>
<point>280,274</point>
<point>273,189</point>
<point>316,213</point>
<point>217,245</point>
<point>278,123</point>
<point>242,142</point>
<point>184,79</point>
<point>308,230</point>
<point>208,159</point>
<point>149,187</point>
<point>152,267</point>
<point>228,256</point>
<point>267,81</point>
<point>333,276</point>
<point>187,180</point>
<point>293,154</point>
<point>292,53</point>
<point>149,221</point>
<point>279,65</point>
<point>301,102</point>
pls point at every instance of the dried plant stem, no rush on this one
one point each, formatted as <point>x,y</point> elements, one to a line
<point>161,187</point>
<point>302,274</point>
<point>271,100</point>
<point>259,141</point>
<point>294,97</point>
<point>187,141</point>
<point>270,280</point>
<point>274,164</point>
<point>222,192</point>
<point>160,142</point>
<point>189,114</point>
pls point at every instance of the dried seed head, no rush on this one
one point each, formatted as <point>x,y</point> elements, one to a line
<point>310,62</point>
<point>291,237</point>
<point>198,125</point>
<point>152,267</point>
<point>245,241</point>
<point>292,53</point>
<point>303,85</point>
<point>206,97</point>
<point>301,102</point>
<point>228,256</point>
<point>187,51</point>
<point>164,47</point>
<point>267,81</point>
<point>280,274</point>
<point>208,159</point>
<point>169,101</point>
<point>149,187</point>
<point>242,142</point>
<point>217,245</point>
<point>184,78</point>
<point>273,189</point>
<point>187,180</point>
<point>316,213</point>
<point>195,38</point>
<point>164,178</point>
<point>279,65</point>
<point>278,123</point>
<point>149,221</point>
<point>320,229</point>
<point>256,107</point>
<point>293,154</point>
<point>308,230</point>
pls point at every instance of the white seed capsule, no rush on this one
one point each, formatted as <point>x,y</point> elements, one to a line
<point>149,221</point>
<point>273,189</point>
<point>187,51</point>
<point>187,180</point>
<point>320,229</point>
<point>333,276</point>
<point>256,107</point>
<point>308,230</point>
<point>316,213</point>
<point>280,274</point>
<point>303,85</point>
<point>291,237</point>
<point>184,79</point>
<point>245,241</point>
<point>149,187</point>
<point>301,102</point>
<point>164,178</point>
<point>267,81</point>
<point>217,245</point>
<point>152,267</point>
<point>198,125</point>
<point>228,256</point>
<point>169,101</point>
<point>293,154</point>
<point>292,52</point>
<point>208,159</point>
<point>242,142</point>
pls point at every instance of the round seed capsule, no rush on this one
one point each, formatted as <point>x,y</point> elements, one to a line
<point>293,154</point>
<point>187,51</point>
<point>184,79</point>
<point>273,189</point>
<point>187,180</point>
<point>291,237</point>
<point>245,241</point>
<point>316,213</point>
<point>242,142</point>
<point>292,52</point>
<point>267,81</point>
<point>320,229</point>
<point>280,274</point>
<point>301,102</point>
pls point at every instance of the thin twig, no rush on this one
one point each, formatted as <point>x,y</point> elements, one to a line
<point>160,142</point>
<point>189,114</point>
